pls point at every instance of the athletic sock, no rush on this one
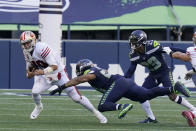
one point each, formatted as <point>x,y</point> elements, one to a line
<point>182,101</point>
<point>146,107</point>
<point>87,104</point>
<point>37,99</point>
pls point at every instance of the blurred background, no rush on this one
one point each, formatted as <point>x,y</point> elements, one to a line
<point>93,29</point>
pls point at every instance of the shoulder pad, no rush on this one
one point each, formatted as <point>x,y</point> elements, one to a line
<point>43,49</point>
<point>152,46</point>
<point>152,43</point>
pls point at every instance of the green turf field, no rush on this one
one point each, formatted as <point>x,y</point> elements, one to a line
<point>61,114</point>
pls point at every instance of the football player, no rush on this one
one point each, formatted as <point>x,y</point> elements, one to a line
<point>114,87</point>
<point>148,53</point>
<point>44,64</point>
<point>189,56</point>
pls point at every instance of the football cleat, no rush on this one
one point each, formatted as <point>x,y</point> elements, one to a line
<point>181,88</point>
<point>148,120</point>
<point>189,117</point>
<point>124,110</point>
<point>36,111</point>
<point>100,117</point>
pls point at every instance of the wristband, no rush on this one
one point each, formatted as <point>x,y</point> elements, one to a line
<point>170,54</point>
<point>193,69</point>
<point>48,70</point>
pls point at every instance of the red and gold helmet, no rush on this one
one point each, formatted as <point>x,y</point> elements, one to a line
<point>28,40</point>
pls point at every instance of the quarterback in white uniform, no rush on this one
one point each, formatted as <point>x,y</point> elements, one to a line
<point>45,65</point>
<point>189,56</point>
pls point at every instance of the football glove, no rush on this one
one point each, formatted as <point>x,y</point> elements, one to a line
<point>167,50</point>
<point>189,74</point>
<point>59,90</point>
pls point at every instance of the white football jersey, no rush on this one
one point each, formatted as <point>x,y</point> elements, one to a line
<point>42,57</point>
<point>191,51</point>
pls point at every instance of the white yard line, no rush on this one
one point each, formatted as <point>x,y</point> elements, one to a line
<point>92,129</point>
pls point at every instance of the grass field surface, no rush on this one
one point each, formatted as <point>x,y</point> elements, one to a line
<point>62,114</point>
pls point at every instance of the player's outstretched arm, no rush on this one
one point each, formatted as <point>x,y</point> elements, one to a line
<point>177,55</point>
<point>181,56</point>
<point>73,82</point>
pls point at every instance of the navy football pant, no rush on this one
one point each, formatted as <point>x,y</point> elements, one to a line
<point>127,88</point>
<point>164,78</point>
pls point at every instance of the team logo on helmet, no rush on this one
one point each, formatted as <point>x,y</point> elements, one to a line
<point>27,40</point>
<point>82,66</point>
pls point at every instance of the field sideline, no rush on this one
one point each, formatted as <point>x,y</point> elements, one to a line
<point>62,114</point>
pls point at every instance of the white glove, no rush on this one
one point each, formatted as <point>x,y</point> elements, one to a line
<point>167,50</point>
<point>51,78</point>
<point>189,74</point>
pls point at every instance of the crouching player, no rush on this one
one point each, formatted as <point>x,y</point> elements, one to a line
<point>114,87</point>
<point>44,64</point>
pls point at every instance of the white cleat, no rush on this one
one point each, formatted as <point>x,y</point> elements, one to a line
<point>101,117</point>
<point>36,111</point>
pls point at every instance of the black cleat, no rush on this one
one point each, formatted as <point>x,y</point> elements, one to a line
<point>179,87</point>
<point>148,120</point>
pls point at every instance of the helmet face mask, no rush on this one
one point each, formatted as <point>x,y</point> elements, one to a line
<point>137,39</point>
<point>27,41</point>
<point>82,66</point>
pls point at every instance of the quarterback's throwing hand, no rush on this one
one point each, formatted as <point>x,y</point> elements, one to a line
<point>59,90</point>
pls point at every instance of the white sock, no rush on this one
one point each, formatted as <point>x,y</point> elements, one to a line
<point>146,107</point>
<point>87,104</point>
<point>117,106</point>
<point>185,103</point>
<point>194,113</point>
<point>37,99</point>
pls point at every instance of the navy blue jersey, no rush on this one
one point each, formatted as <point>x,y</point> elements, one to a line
<point>103,79</point>
<point>152,59</point>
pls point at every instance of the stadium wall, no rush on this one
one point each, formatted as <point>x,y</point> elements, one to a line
<point>111,55</point>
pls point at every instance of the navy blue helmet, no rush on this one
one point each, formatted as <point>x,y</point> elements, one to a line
<point>137,38</point>
<point>82,66</point>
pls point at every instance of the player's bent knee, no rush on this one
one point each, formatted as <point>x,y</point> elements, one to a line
<point>101,108</point>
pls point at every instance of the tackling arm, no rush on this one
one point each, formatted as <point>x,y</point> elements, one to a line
<point>73,82</point>
<point>80,79</point>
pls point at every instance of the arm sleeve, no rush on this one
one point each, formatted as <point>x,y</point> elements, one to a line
<point>131,70</point>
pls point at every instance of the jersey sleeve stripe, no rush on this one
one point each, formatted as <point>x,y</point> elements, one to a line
<point>46,53</point>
